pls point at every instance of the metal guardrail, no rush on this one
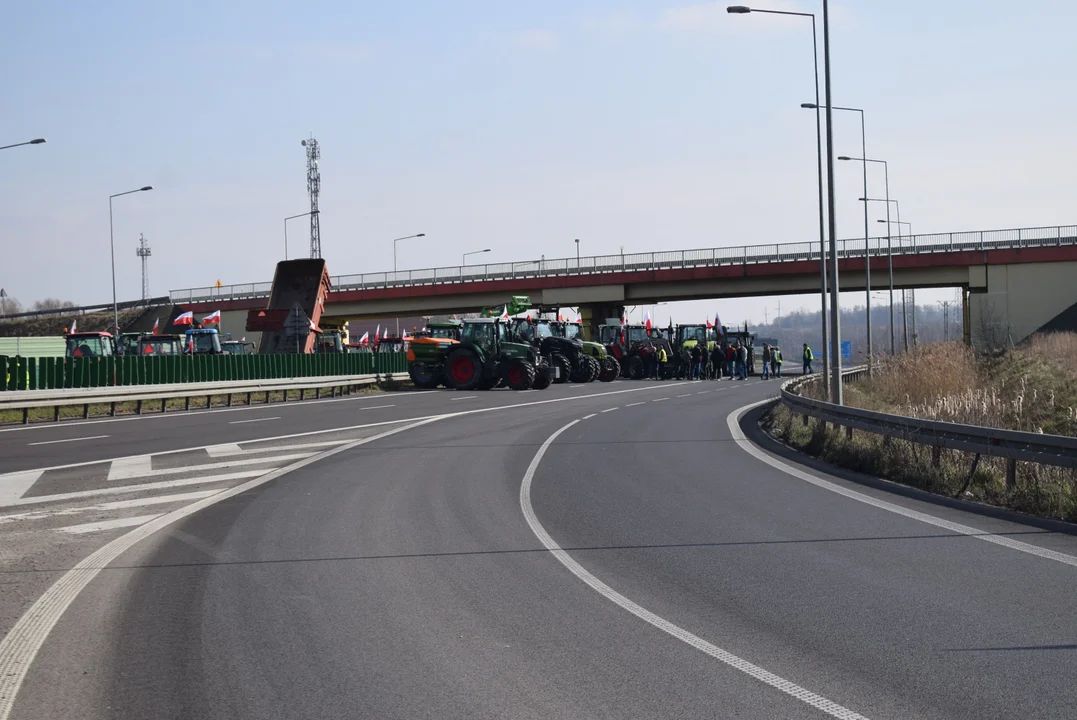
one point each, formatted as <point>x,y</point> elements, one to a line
<point>1013,445</point>
<point>28,400</point>
<point>673,259</point>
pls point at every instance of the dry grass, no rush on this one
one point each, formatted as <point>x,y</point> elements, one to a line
<point>1032,388</point>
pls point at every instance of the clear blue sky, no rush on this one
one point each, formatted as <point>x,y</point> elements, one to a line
<point>513,125</point>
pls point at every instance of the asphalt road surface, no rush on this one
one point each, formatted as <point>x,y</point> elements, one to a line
<point>622,555</point>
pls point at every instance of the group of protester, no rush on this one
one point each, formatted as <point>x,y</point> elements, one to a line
<point>699,363</point>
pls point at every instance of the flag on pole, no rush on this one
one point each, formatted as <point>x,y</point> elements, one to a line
<point>213,317</point>
<point>155,325</point>
<point>385,333</point>
<point>709,324</point>
<point>504,313</point>
<point>404,335</point>
<point>365,339</point>
<point>74,325</point>
<point>718,324</point>
<point>647,321</point>
<point>186,318</point>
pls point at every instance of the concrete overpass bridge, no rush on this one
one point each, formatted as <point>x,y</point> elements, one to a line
<point>1014,281</point>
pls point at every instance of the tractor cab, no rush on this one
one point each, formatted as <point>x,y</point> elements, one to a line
<point>149,344</point>
<point>449,330</point>
<point>689,336</point>
<point>329,342</point>
<point>90,344</point>
<point>237,347</point>
<point>202,341</point>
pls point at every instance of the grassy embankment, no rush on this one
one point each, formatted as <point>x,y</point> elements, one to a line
<point>1032,388</point>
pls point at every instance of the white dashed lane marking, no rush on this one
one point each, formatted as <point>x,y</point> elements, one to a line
<point>68,440</point>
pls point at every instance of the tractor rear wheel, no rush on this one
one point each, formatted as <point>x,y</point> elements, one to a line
<point>463,370</point>
<point>561,363</point>
<point>581,371</point>
<point>425,376</point>
<point>520,375</point>
<point>611,369</point>
<point>596,368</point>
<point>542,375</point>
<point>635,367</point>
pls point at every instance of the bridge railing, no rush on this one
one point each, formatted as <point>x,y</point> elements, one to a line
<point>666,260</point>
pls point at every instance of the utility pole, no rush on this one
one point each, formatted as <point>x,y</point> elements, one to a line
<point>945,319</point>
<point>143,251</point>
<point>314,187</point>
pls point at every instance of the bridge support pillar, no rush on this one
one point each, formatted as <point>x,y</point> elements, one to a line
<point>597,314</point>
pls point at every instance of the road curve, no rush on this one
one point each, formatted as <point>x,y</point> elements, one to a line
<point>402,579</point>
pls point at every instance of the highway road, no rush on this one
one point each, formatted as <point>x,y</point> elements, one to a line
<point>587,552</point>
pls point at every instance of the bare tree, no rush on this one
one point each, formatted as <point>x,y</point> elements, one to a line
<point>52,304</point>
<point>9,305</point>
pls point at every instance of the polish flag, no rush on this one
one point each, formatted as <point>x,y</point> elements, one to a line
<point>385,333</point>
<point>377,332</point>
<point>504,313</point>
<point>560,317</point>
<point>213,318</point>
<point>718,323</point>
<point>647,322</point>
<point>404,335</point>
<point>709,324</point>
<point>74,326</point>
<point>155,321</point>
<point>186,318</point>
<point>365,339</point>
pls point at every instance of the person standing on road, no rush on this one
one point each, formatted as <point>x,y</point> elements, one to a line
<point>704,363</point>
<point>739,356</point>
<point>717,362</point>
<point>774,367</point>
<point>695,363</point>
<point>766,362</point>
<point>808,357</point>
<point>663,358</point>
<point>730,359</point>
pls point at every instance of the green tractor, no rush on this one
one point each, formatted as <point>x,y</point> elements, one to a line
<point>486,357</point>
<point>568,357</point>
<point>609,368</point>
<point>427,352</point>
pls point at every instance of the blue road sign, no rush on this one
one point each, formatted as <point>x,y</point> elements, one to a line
<point>846,349</point>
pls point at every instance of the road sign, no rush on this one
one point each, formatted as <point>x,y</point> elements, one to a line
<point>846,349</point>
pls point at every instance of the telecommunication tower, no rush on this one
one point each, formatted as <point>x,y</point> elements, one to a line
<point>143,251</point>
<point>314,186</point>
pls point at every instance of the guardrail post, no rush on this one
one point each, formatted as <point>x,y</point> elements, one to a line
<point>1011,474</point>
<point>164,405</point>
<point>26,416</point>
<point>187,403</point>
<point>848,432</point>
<point>229,400</point>
<point>936,455</point>
<point>56,414</point>
<point>138,407</point>
<point>112,409</point>
<point>86,411</point>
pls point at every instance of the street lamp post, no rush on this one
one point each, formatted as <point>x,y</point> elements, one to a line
<point>867,240</point>
<point>463,259</point>
<point>35,141</point>
<point>577,254</point>
<point>395,241</point>
<point>889,245</point>
<point>112,254</point>
<point>293,217</point>
<point>904,301</point>
<point>740,10</point>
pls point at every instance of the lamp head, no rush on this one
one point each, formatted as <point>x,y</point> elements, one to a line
<point>738,9</point>
<point>144,189</point>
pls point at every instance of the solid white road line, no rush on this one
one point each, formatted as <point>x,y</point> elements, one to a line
<point>466,397</point>
<point>142,487</point>
<point>827,706</point>
<point>130,467</point>
<point>588,417</point>
<point>215,451</point>
<point>20,646</point>
<point>114,505</point>
<point>155,500</point>
<point>609,409</point>
<point>78,439</point>
<point>377,407</point>
<point>189,413</point>
<point>733,420</point>
<point>133,474</point>
<point>234,449</point>
<point>107,525</point>
<point>240,422</point>
<point>13,485</point>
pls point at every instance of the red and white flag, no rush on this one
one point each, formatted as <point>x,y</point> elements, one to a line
<point>213,317</point>
<point>313,327</point>
<point>74,325</point>
<point>186,318</point>
<point>385,333</point>
<point>155,325</point>
<point>365,340</point>
<point>709,324</point>
<point>560,317</point>
<point>404,335</point>
<point>505,313</point>
<point>647,322</point>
